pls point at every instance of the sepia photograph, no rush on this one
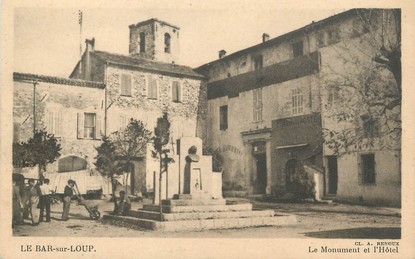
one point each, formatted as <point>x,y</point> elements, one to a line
<point>205,122</point>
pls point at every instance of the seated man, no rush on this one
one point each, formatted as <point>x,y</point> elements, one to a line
<point>124,205</point>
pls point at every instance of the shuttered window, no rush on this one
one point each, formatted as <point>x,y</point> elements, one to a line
<point>126,85</point>
<point>176,92</point>
<point>257,104</point>
<point>297,101</point>
<point>54,122</point>
<point>152,88</point>
<point>89,126</point>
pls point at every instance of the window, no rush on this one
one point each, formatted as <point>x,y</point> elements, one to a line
<point>176,92</point>
<point>297,101</point>
<point>223,116</point>
<point>368,172</point>
<point>257,104</point>
<point>89,126</point>
<point>321,39</point>
<point>142,42</point>
<point>126,85</point>
<point>54,122</point>
<point>297,49</point>
<point>370,126</point>
<point>152,88</point>
<point>333,35</point>
<point>167,43</point>
<point>258,62</point>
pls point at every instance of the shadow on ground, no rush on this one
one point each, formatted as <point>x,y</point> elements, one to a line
<point>358,233</point>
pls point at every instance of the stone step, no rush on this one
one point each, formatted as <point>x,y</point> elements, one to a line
<point>205,224</point>
<point>202,208</point>
<point>151,215</point>
<point>198,202</point>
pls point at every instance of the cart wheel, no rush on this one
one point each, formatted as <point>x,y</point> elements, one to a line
<point>95,215</point>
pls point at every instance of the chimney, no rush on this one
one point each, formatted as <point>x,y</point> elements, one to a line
<point>90,44</point>
<point>265,37</point>
<point>222,53</point>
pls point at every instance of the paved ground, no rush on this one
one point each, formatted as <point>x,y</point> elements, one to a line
<point>314,221</point>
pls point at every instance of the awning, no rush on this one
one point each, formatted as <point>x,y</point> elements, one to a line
<point>292,146</point>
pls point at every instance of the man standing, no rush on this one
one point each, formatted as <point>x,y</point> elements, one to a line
<point>45,200</point>
<point>17,204</point>
<point>124,205</point>
<point>67,196</point>
<point>34,202</point>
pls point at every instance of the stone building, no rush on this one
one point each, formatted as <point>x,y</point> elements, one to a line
<point>70,109</point>
<point>270,104</point>
<point>146,84</point>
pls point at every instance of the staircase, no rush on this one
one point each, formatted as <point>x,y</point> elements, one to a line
<point>187,212</point>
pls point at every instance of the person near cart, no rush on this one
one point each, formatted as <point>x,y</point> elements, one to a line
<point>17,204</point>
<point>67,196</point>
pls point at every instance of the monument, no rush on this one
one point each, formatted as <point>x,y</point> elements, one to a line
<point>198,203</point>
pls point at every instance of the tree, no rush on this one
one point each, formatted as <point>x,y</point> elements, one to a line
<point>363,84</point>
<point>160,141</point>
<point>108,164</point>
<point>131,142</point>
<point>42,149</point>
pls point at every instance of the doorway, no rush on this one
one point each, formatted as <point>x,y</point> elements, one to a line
<point>333,175</point>
<point>261,169</point>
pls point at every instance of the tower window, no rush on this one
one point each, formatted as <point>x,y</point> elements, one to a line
<point>167,43</point>
<point>142,42</point>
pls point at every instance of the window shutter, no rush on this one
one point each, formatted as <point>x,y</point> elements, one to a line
<point>155,88</point>
<point>126,85</point>
<point>179,92</point>
<point>80,130</point>
<point>98,127</point>
<point>60,123</point>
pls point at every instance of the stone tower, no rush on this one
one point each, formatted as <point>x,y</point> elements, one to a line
<point>155,40</point>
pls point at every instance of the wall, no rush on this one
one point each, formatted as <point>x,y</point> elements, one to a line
<point>186,117</point>
<point>386,191</point>
<point>134,46</point>
<point>64,102</point>
<point>237,150</point>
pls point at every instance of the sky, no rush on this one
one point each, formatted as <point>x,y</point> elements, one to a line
<point>46,40</point>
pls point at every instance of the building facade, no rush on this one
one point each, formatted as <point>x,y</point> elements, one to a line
<point>271,105</point>
<point>146,84</point>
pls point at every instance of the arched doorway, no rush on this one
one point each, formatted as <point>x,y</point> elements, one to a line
<point>71,163</point>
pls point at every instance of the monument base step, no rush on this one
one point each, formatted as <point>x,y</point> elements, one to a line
<point>201,208</point>
<point>205,224</point>
<point>193,202</point>
<point>151,215</point>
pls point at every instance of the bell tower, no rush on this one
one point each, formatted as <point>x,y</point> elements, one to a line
<point>155,40</point>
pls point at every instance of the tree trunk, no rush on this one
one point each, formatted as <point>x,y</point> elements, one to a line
<point>113,191</point>
<point>40,175</point>
<point>160,182</point>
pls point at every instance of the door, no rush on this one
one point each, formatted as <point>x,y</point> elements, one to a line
<point>333,177</point>
<point>261,168</point>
